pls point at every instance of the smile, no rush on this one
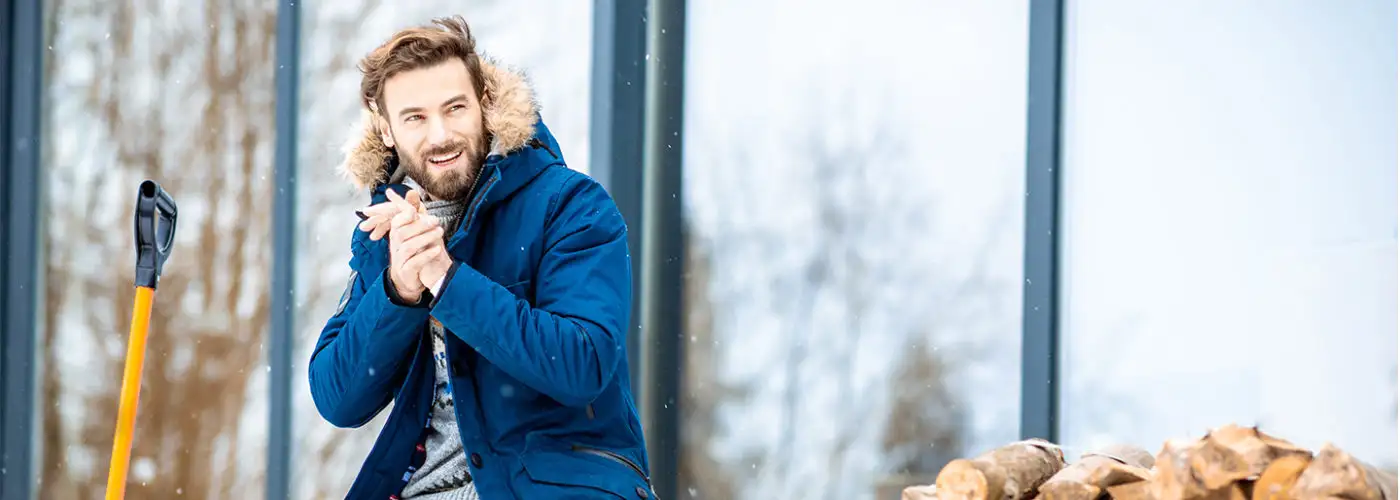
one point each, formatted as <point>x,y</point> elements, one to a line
<point>444,160</point>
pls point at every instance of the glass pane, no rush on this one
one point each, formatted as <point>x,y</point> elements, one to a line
<point>181,94</point>
<point>1229,249</point>
<point>854,189</point>
<point>554,46</point>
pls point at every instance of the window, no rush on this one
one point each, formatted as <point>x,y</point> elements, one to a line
<point>1229,223</point>
<point>553,47</point>
<point>181,95</point>
<point>854,188</point>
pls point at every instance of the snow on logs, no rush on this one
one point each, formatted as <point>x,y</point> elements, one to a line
<point>1228,463</point>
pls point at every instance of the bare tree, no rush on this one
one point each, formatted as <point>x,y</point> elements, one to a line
<point>833,319</point>
<point>925,422</point>
<point>701,475</point>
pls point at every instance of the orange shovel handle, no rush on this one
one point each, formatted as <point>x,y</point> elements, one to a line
<point>131,393</point>
<point>154,225</point>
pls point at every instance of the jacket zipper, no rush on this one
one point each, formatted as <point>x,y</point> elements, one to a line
<point>614,457</point>
<point>477,198</point>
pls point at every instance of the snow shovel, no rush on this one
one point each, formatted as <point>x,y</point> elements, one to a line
<point>155,236</point>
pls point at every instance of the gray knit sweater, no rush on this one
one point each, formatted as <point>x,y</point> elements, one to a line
<point>444,474</point>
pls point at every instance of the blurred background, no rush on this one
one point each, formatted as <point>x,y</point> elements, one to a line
<point>872,237</point>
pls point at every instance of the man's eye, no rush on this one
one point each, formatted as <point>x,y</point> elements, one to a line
<point>413,118</point>
<point>456,108</point>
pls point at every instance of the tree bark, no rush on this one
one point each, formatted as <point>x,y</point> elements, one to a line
<point>1010,472</point>
<point>1095,471</point>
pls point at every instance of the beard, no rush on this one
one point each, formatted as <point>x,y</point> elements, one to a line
<point>451,184</point>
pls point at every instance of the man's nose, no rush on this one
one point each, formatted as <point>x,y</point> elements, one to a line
<point>437,131</point>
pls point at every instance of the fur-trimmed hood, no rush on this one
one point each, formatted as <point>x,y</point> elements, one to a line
<point>509,112</point>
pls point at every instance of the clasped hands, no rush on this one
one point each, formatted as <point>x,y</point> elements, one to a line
<point>418,257</point>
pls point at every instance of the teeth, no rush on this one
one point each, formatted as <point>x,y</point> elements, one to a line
<point>445,159</point>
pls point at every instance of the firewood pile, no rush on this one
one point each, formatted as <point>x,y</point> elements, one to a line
<point>1228,463</point>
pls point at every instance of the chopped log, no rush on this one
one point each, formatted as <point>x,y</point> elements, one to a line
<point>1127,454</point>
<point>1276,483</point>
<point>1141,490</point>
<point>1087,478</point>
<point>1257,448</point>
<point>1200,469</point>
<point>926,492</point>
<point>1011,472</point>
<point>1334,472</point>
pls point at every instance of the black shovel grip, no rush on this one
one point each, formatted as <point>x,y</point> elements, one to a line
<point>153,241</point>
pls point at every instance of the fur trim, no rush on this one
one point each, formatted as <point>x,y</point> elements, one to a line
<point>509,110</point>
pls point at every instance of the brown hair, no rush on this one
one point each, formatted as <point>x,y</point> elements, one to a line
<point>416,48</point>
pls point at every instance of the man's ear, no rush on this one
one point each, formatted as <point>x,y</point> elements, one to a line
<point>384,135</point>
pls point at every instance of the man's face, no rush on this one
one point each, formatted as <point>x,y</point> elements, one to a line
<point>435,125</point>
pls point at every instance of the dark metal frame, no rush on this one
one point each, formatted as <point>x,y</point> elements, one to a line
<point>663,248</point>
<point>21,86</point>
<point>619,74</point>
<point>1040,330</point>
<point>279,350</point>
<point>638,82</point>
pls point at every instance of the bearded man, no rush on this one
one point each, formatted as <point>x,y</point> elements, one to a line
<point>489,293</point>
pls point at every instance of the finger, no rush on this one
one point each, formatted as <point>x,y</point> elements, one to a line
<point>402,235</point>
<point>412,229</point>
<point>373,222</point>
<point>402,219</point>
<point>385,209</point>
<point>399,202</point>
<point>415,264</point>
<point>379,232</point>
<point>411,265</point>
<point>432,236</point>
<point>415,199</point>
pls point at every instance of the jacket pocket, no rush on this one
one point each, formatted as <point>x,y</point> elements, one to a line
<point>522,290</point>
<point>615,457</point>
<point>557,474</point>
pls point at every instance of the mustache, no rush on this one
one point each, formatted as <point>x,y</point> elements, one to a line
<point>448,148</point>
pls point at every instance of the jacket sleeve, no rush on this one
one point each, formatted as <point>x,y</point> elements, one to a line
<point>568,345</point>
<point>363,351</point>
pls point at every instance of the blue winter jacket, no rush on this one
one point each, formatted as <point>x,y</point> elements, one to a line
<point>536,305</point>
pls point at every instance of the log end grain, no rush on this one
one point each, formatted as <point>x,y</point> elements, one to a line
<point>1013,471</point>
<point>1276,483</point>
<point>964,479</point>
